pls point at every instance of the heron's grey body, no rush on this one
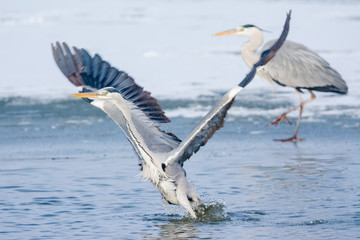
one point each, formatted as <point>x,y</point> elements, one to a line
<point>161,154</point>
<point>294,65</point>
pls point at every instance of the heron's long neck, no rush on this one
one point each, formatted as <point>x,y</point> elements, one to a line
<point>249,48</point>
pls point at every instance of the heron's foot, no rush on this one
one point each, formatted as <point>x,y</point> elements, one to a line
<point>277,120</point>
<point>292,139</point>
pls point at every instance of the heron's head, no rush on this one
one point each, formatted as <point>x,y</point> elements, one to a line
<point>246,30</point>
<point>104,94</point>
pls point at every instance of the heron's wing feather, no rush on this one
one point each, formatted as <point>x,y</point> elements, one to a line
<point>214,120</point>
<point>297,66</point>
<point>94,73</point>
<point>156,140</point>
<point>142,132</point>
<point>202,132</point>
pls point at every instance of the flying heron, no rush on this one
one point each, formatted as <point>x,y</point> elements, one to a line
<point>161,154</point>
<point>294,65</point>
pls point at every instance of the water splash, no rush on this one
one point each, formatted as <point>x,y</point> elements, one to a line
<point>208,211</point>
<point>212,211</point>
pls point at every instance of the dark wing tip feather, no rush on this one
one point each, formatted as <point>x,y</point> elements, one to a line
<point>268,54</point>
<point>68,64</point>
<point>94,73</point>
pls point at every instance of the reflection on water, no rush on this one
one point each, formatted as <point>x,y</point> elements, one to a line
<point>171,226</point>
<point>179,230</point>
<point>183,226</point>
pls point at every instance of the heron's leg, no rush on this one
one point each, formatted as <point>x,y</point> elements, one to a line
<point>277,120</point>
<point>294,138</point>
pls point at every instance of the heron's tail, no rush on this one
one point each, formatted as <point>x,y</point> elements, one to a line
<point>334,89</point>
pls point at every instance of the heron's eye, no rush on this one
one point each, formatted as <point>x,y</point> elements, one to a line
<point>106,93</point>
<point>242,29</point>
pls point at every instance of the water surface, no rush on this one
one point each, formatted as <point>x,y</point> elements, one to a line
<point>67,171</point>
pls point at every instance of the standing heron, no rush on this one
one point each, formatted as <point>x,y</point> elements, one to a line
<point>294,65</point>
<point>161,154</point>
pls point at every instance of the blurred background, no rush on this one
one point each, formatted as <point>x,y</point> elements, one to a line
<point>167,46</point>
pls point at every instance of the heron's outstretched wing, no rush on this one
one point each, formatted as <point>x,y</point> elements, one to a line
<point>92,73</point>
<point>214,120</point>
<point>297,66</point>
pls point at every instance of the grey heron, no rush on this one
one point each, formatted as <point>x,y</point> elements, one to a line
<point>161,154</point>
<point>294,66</point>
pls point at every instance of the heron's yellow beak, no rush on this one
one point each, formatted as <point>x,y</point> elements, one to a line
<point>229,32</point>
<point>86,95</point>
